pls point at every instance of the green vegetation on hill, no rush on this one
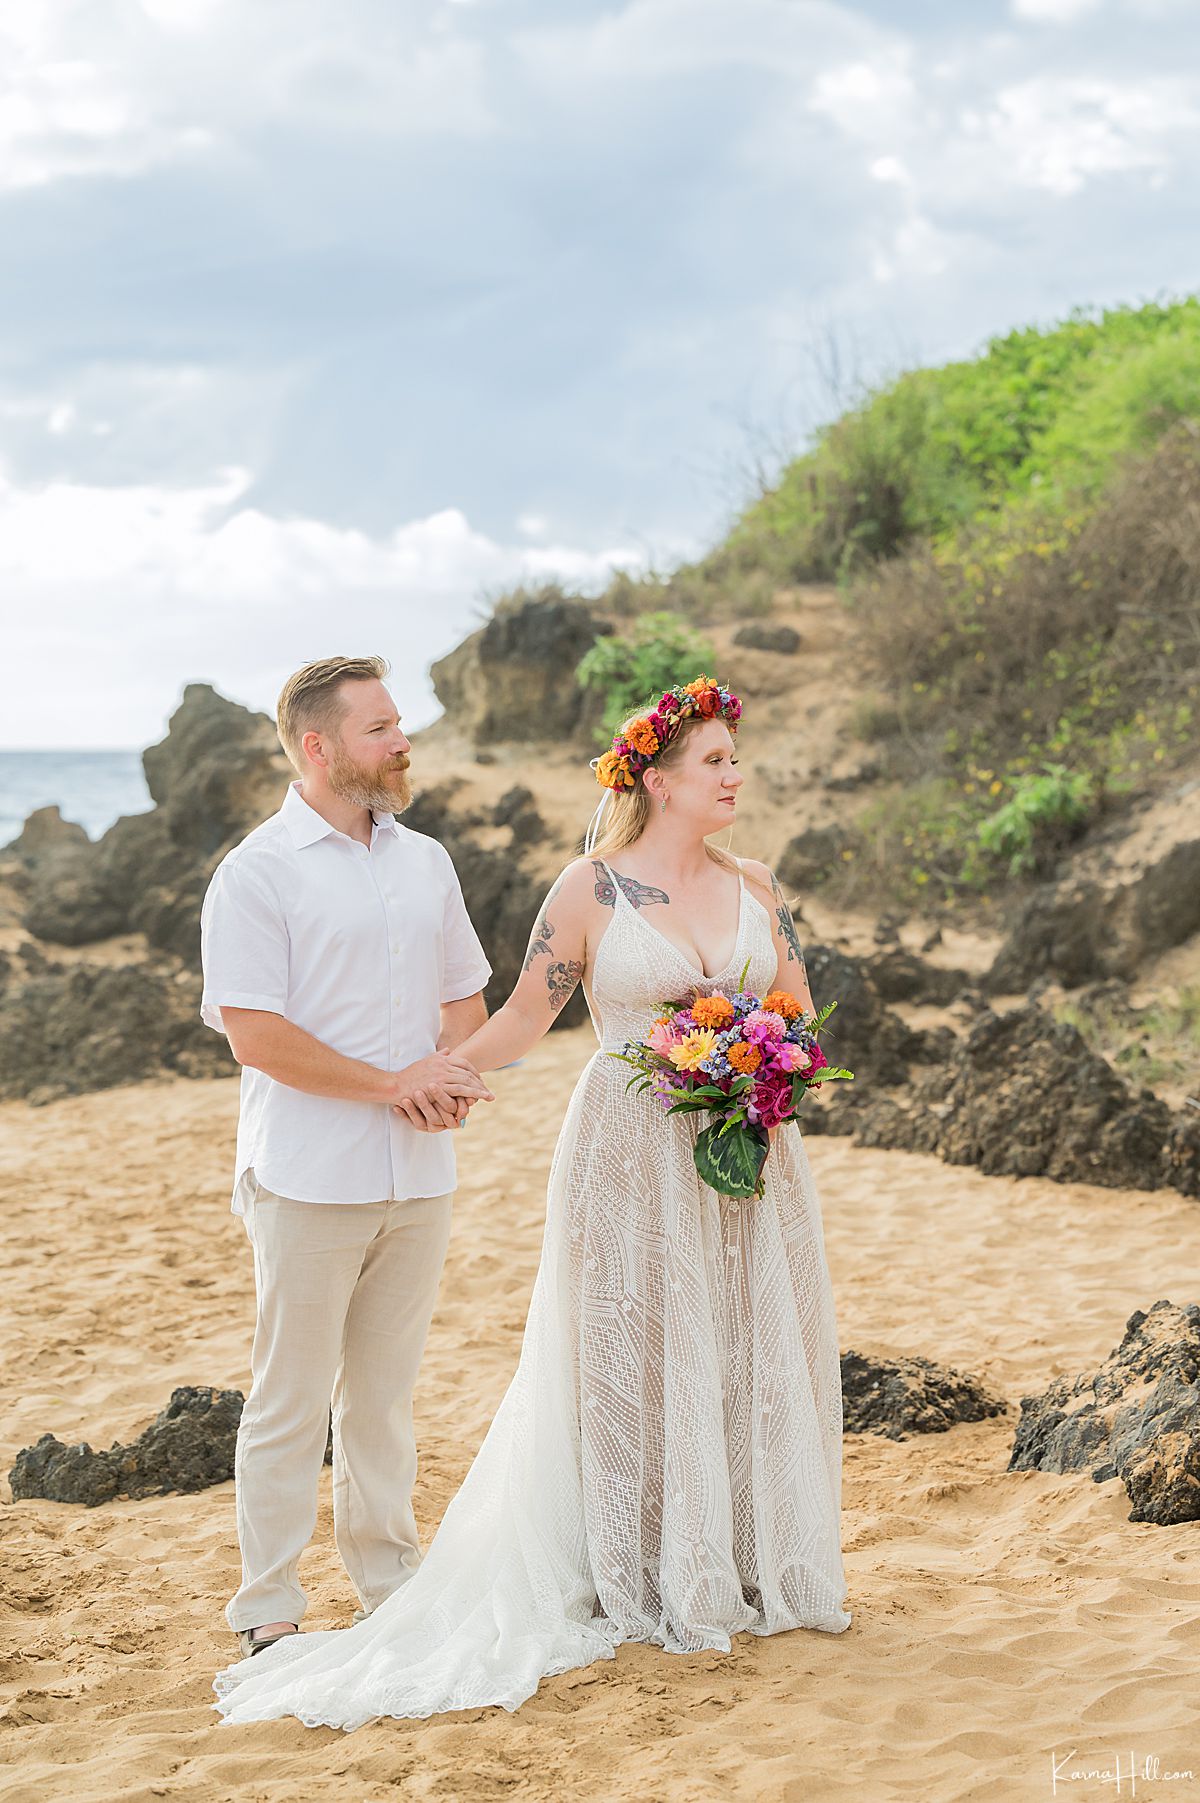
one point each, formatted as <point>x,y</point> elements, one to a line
<point>1045,414</point>
<point>1015,540</point>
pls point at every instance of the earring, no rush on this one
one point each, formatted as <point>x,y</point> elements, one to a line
<point>664,805</point>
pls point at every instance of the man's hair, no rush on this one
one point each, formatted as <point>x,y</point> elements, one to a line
<point>313,699</point>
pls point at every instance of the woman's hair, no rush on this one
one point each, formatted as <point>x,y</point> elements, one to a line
<point>313,699</point>
<point>628,810</point>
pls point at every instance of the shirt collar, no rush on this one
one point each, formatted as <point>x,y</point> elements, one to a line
<point>306,826</point>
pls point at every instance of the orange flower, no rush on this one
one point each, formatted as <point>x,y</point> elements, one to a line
<point>698,687</point>
<point>743,1057</point>
<point>712,1011</point>
<point>614,772</point>
<point>642,737</point>
<point>780,1002</point>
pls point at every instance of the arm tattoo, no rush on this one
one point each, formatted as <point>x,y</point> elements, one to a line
<point>787,927</point>
<point>561,982</point>
<point>633,891</point>
<point>543,929</point>
<point>543,933</point>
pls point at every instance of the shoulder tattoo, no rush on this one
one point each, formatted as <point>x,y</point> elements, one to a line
<point>633,891</point>
<point>787,926</point>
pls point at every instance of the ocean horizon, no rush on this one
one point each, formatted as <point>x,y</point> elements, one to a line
<point>93,788</point>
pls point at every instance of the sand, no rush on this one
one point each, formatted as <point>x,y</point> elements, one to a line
<point>999,1618</point>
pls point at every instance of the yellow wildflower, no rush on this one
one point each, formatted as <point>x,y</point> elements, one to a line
<point>690,1054</point>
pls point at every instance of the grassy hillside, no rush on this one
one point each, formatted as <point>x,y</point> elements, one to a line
<point>1015,542</point>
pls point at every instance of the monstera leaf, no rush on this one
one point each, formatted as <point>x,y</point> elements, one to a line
<point>730,1157</point>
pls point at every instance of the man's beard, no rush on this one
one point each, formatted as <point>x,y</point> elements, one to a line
<point>388,789</point>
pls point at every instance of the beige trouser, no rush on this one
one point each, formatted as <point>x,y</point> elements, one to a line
<point>345,1295</point>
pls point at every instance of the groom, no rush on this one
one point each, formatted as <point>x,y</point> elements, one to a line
<point>341,963</point>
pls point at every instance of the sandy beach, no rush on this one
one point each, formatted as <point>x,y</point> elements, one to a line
<point>999,1619</point>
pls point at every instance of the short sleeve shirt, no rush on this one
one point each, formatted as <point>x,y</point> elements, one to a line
<point>360,946</point>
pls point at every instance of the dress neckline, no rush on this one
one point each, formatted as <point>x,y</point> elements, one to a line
<point>696,969</point>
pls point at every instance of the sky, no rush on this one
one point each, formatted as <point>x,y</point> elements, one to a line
<point>322,325</point>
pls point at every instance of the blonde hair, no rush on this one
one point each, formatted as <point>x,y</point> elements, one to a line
<point>628,810</point>
<point>313,700</point>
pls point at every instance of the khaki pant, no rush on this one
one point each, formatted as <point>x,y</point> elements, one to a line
<point>345,1295</point>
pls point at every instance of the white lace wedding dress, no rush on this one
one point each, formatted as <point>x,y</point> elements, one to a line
<point>666,1463</point>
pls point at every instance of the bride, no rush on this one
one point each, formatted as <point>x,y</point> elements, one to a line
<point>665,1465</point>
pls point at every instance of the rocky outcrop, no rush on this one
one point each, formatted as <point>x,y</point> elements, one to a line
<point>810,858</point>
<point>1136,1417</point>
<point>514,678</point>
<point>864,1036</point>
<point>901,976</point>
<point>1023,1095</point>
<point>502,893</point>
<point>1095,926</point>
<point>216,774</point>
<point>901,1396</point>
<point>188,1446</point>
<point>68,1029</point>
<point>768,635</point>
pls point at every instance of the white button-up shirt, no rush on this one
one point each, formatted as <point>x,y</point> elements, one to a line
<point>360,946</point>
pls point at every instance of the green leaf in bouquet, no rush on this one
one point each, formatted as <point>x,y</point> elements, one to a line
<point>730,1157</point>
<point>821,1017</point>
<point>828,1073</point>
<point>741,984</point>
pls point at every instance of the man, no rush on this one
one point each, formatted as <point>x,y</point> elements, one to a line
<point>341,963</point>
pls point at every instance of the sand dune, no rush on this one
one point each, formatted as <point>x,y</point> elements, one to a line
<point>998,1617</point>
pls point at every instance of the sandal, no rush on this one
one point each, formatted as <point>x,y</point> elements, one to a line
<point>250,1645</point>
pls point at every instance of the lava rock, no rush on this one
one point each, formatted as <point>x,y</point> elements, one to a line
<point>896,1397</point>
<point>216,774</point>
<point>74,1028</point>
<point>901,976</point>
<point>762,635</point>
<point>810,859</point>
<point>1086,929</point>
<point>1137,1417</point>
<point>188,1446</point>
<point>517,810</point>
<point>514,678</point>
<point>46,831</point>
<point>1026,1096</point>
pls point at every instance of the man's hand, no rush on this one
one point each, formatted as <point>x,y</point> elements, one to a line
<point>437,1091</point>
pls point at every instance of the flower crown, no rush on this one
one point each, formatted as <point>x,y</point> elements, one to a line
<point>635,748</point>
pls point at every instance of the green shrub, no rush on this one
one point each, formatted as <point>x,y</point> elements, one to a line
<point>1045,812</point>
<point>1046,412</point>
<point>658,651</point>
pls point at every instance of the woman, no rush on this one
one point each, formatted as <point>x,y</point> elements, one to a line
<point>666,1463</point>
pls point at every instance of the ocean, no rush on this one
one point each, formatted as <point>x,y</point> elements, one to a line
<point>93,787</point>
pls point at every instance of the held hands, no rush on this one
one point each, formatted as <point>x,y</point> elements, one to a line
<point>438,1091</point>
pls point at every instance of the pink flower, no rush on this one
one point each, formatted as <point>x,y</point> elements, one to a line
<point>763,1023</point>
<point>773,1103</point>
<point>662,1038</point>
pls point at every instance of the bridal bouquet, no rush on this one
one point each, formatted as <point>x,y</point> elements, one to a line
<point>745,1061</point>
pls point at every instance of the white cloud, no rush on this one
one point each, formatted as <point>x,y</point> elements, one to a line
<point>1054,12</point>
<point>124,595</point>
<point>1058,135</point>
<point>98,87</point>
